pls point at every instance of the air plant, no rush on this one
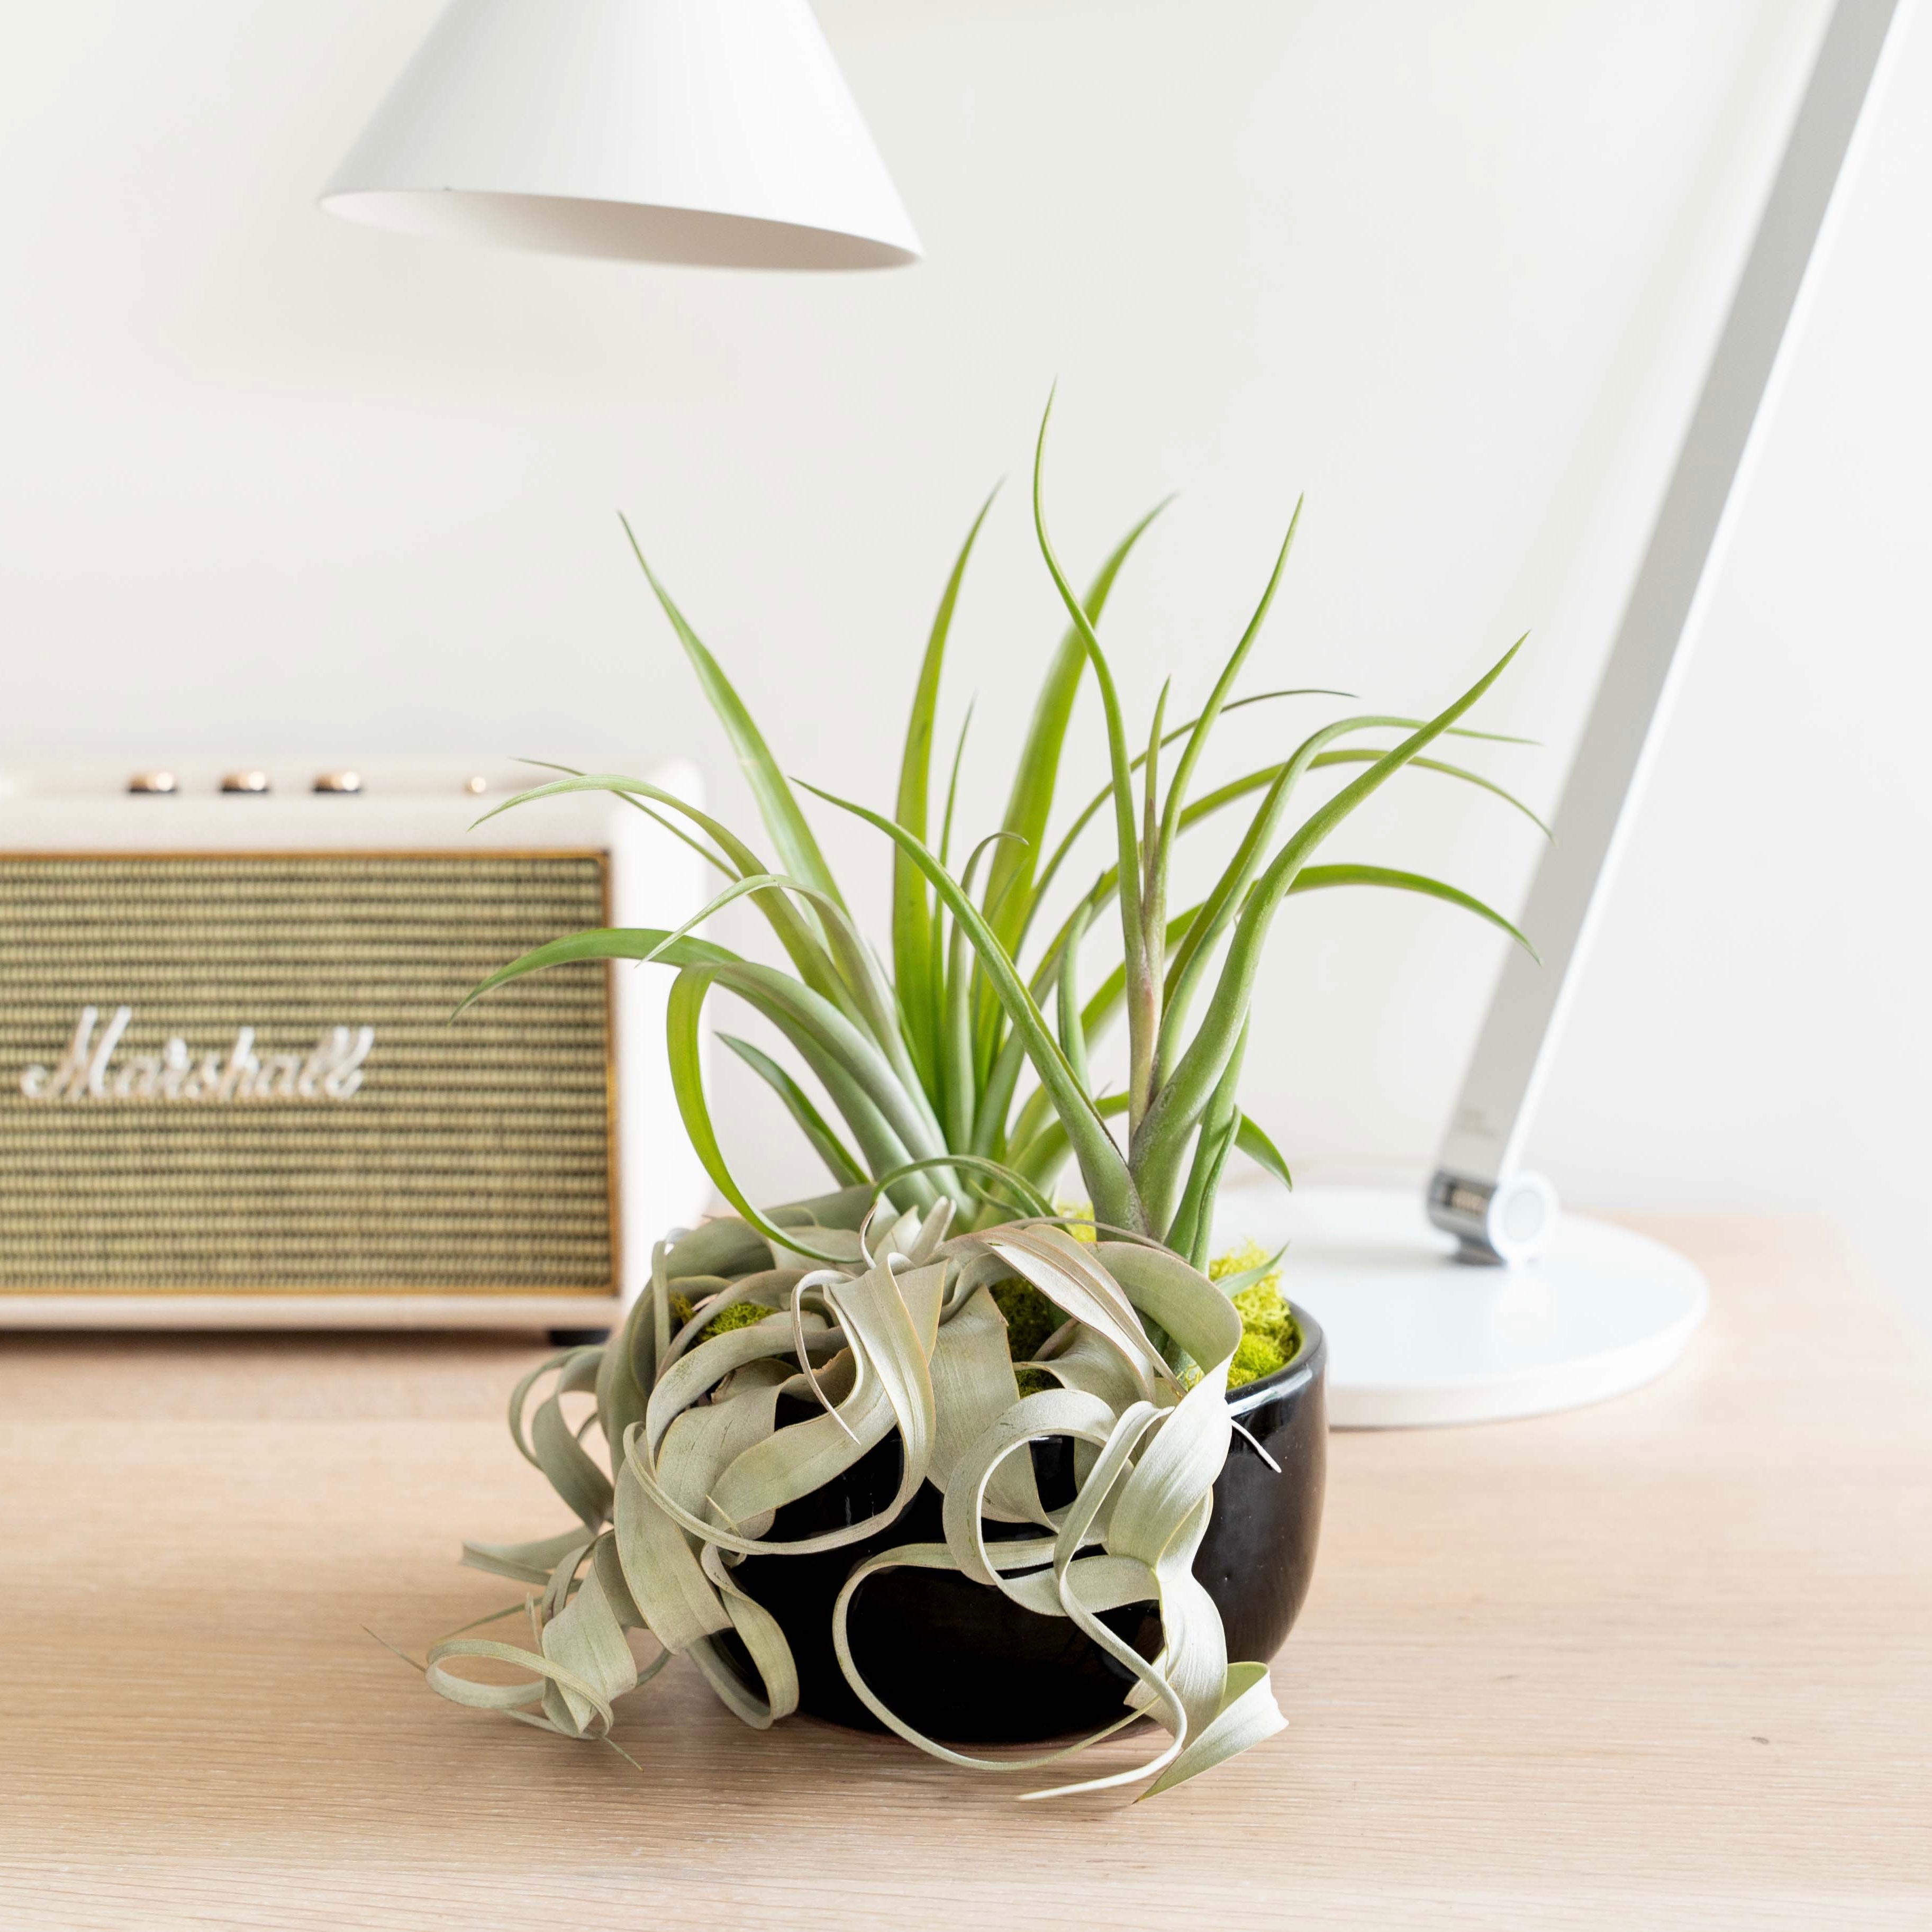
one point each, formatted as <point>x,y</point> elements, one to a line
<point>962,1079</point>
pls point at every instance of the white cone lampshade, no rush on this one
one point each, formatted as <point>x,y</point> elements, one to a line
<point>717,132</point>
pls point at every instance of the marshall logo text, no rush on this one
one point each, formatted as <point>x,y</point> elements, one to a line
<point>331,1070</point>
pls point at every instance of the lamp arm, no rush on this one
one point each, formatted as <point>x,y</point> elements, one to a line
<point>1497,1213</point>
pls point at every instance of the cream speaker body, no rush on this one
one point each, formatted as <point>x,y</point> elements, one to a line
<point>231,1091</point>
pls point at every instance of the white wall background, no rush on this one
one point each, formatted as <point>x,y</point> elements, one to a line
<point>270,482</point>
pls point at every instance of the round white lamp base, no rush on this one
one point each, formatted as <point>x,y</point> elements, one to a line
<point>1417,1338</point>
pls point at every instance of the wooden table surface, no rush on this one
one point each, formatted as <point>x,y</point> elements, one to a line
<point>1664,1662</point>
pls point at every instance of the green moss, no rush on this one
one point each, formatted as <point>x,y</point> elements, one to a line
<point>1237,1260</point>
<point>681,1310</point>
<point>1261,1309</point>
<point>1080,1218</point>
<point>1257,1356</point>
<point>740,1315</point>
<point>1030,1317</point>
<point>1270,1339</point>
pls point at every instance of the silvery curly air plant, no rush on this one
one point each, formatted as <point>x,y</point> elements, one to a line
<point>962,1080</point>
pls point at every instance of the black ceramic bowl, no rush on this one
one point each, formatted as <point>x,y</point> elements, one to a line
<point>959,1661</point>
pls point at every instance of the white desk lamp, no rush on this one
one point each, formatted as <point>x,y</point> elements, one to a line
<point>1559,1311</point>
<point>714,132</point>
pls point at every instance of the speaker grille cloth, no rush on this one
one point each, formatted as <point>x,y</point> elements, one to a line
<point>468,1158</point>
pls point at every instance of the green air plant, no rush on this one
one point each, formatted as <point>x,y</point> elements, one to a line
<point>962,1078</point>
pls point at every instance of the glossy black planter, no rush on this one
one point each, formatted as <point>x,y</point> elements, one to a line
<point>959,1661</point>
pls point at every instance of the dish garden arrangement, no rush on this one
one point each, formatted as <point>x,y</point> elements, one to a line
<point>929,1452</point>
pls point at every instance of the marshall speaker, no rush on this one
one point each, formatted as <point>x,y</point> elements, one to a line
<point>231,1094</point>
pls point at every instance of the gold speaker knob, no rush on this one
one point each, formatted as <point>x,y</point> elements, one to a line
<point>245,781</point>
<point>338,781</point>
<point>153,782</point>
<point>476,787</point>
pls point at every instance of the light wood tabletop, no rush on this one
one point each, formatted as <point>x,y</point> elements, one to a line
<point>1665,1662</point>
